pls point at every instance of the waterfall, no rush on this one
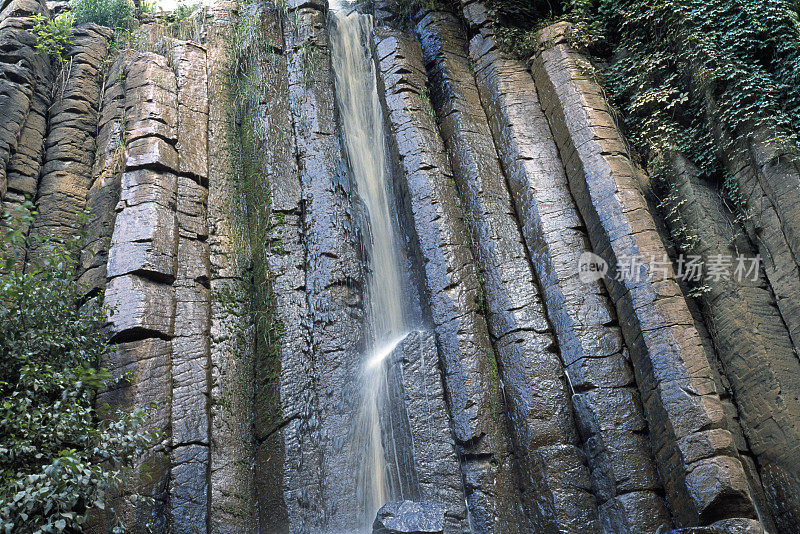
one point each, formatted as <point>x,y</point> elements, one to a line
<point>363,135</point>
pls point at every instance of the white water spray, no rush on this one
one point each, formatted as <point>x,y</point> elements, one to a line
<point>362,125</point>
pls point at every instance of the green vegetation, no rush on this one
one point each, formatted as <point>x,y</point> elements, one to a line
<point>404,11</point>
<point>688,77</point>
<point>255,85</point>
<point>116,14</point>
<point>53,36</point>
<point>59,455</point>
<point>690,66</point>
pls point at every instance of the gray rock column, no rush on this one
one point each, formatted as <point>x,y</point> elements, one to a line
<point>434,453</point>
<point>752,340</point>
<point>557,483</point>
<point>470,371</point>
<point>106,183</point>
<point>232,486</point>
<point>767,178</point>
<point>703,477</point>
<point>142,266</point>
<point>72,128</point>
<point>607,404</point>
<point>191,359</point>
<point>23,84</point>
<point>333,276</point>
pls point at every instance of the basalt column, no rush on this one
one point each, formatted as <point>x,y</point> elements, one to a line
<point>703,476</point>
<point>142,266</point>
<point>232,508</point>
<point>751,338</point>
<point>21,71</point>
<point>25,87</point>
<point>72,128</point>
<point>287,468</point>
<point>191,372</point>
<point>333,273</point>
<point>606,402</point>
<point>535,388</point>
<point>452,288</point>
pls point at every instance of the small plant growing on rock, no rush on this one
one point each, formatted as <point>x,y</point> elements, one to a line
<point>53,36</point>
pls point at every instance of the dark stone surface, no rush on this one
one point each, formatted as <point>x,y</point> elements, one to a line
<point>753,343</point>
<point>470,372</point>
<point>672,369</point>
<point>607,406</point>
<point>408,517</point>
<point>323,497</point>
<point>422,396</point>
<point>529,366</point>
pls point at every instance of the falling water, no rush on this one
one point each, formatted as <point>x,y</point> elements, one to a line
<point>362,125</point>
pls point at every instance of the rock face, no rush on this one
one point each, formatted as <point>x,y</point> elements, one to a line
<point>409,517</point>
<point>531,394</point>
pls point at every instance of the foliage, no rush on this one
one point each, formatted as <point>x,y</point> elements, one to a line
<point>53,36</point>
<point>515,23</point>
<point>683,68</point>
<point>405,11</point>
<point>182,12</point>
<point>524,13</point>
<point>146,6</point>
<point>689,76</point>
<point>116,14</point>
<point>58,458</point>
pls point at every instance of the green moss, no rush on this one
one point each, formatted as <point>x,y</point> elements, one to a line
<point>250,55</point>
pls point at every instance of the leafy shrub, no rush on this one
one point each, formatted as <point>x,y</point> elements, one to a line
<point>58,458</point>
<point>53,36</point>
<point>116,14</point>
<point>524,13</point>
<point>668,56</point>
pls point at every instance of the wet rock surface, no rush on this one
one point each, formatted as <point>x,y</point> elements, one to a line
<point>667,353</point>
<point>607,404</point>
<point>525,398</point>
<point>409,517</point>
<point>533,379</point>
<point>470,371</point>
<point>752,340</point>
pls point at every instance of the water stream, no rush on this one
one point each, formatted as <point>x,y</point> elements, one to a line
<point>363,135</point>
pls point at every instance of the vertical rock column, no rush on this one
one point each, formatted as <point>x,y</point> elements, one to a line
<point>703,476</point>
<point>72,129</point>
<point>232,486</point>
<point>191,371</point>
<point>334,284</point>
<point>753,342</point>
<point>25,163</point>
<point>607,404</point>
<point>767,178</point>
<point>422,396</point>
<point>24,89</point>
<point>535,389</point>
<point>107,171</point>
<point>470,371</point>
<point>287,463</point>
<point>142,266</point>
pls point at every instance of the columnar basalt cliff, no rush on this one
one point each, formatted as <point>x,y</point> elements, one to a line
<point>233,248</point>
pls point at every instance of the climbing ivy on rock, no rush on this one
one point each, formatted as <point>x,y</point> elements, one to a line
<point>688,76</point>
<point>682,68</point>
